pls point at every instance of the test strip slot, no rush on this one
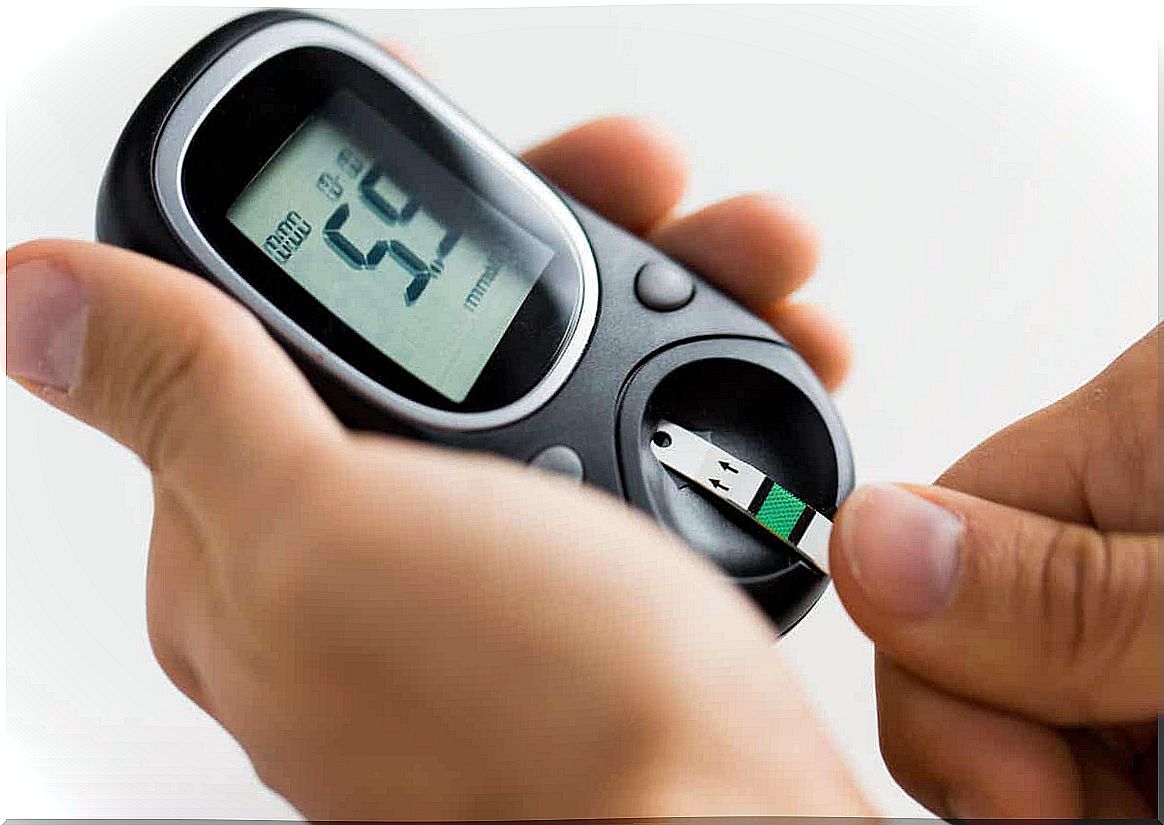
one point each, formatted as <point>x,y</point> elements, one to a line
<point>749,491</point>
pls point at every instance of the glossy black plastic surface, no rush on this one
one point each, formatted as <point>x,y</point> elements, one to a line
<point>709,365</point>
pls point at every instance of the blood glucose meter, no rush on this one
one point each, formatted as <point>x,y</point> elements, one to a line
<point>431,285</point>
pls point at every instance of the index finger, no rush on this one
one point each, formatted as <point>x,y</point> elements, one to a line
<point>1090,458</point>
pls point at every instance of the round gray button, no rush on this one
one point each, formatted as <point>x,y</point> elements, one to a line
<point>559,459</point>
<point>663,287</point>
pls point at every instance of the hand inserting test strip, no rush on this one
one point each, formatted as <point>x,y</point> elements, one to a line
<point>746,489</point>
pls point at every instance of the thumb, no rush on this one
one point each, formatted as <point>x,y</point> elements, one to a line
<point>160,360</point>
<point>1017,610</point>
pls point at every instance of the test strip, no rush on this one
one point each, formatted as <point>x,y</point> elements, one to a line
<point>746,489</point>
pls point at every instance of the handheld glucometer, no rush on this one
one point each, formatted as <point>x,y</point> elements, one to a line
<point>431,285</point>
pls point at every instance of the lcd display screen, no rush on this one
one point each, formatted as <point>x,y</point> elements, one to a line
<point>394,245</point>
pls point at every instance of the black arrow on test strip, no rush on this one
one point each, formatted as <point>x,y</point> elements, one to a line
<point>728,467</point>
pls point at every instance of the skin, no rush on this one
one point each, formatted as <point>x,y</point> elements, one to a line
<point>559,656</point>
<point>1035,690</point>
<point>555,655</point>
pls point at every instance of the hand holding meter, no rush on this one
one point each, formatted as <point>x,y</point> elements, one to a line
<point>431,285</point>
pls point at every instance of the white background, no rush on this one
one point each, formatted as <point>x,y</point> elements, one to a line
<point>986,188</point>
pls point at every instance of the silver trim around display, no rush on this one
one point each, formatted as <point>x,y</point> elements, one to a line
<point>232,67</point>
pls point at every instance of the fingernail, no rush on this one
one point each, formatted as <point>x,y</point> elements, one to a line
<point>46,323</point>
<point>903,550</point>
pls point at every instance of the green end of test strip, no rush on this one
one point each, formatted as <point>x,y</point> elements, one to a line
<point>780,511</point>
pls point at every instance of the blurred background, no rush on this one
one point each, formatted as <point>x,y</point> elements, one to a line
<point>986,191</point>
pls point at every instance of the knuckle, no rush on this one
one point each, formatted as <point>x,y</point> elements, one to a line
<point>162,379</point>
<point>160,385</point>
<point>1091,599</point>
<point>1072,564</point>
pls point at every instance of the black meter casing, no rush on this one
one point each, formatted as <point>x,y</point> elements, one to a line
<point>624,359</point>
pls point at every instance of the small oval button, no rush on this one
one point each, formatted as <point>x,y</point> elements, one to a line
<point>559,459</point>
<point>663,287</point>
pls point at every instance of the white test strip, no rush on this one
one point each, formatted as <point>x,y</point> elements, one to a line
<point>746,489</point>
